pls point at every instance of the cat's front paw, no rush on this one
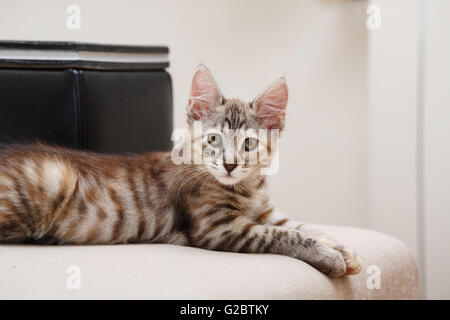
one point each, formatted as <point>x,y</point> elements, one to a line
<point>331,262</point>
<point>352,261</point>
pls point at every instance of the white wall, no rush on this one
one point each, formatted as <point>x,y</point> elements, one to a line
<point>392,143</point>
<point>320,46</point>
<point>437,150</point>
<point>409,134</point>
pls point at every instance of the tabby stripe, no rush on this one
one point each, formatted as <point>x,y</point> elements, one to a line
<point>158,228</point>
<point>22,191</point>
<point>242,192</point>
<point>82,208</point>
<point>91,194</point>
<point>11,230</point>
<point>95,230</point>
<point>261,183</point>
<point>225,233</point>
<point>58,219</point>
<point>307,243</point>
<point>92,234</point>
<point>281,222</point>
<point>30,214</point>
<point>228,237</point>
<point>101,214</point>
<point>247,244</point>
<point>65,210</point>
<point>262,241</point>
<point>138,199</point>
<point>16,218</point>
<point>120,214</point>
<point>210,213</point>
<point>70,232</point>
<point>225,220</point>
<point>150,204</point>
<point>41,196</point>
<point>205,243</point>
<point>147,184</point>
<point>274,240</point>
<point>25,218</point>
<point>88,196</point>
<point>241,235</point>
<point>160,183</point>
<point>4,188</point>
<point>263,216</point>
<point>57,202</point>
<point>27,195</point>
<point>75,223</point>
<point>227,205</point>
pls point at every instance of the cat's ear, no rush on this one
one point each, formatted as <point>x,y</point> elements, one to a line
<point>205,94</point>
<point>270,106</point>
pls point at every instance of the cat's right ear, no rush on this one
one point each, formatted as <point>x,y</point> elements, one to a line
<point>205,94</point>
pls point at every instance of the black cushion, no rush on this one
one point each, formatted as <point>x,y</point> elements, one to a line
<point>105,110</point>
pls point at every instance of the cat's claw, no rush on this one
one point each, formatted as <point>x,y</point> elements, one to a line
<point>352,260</point>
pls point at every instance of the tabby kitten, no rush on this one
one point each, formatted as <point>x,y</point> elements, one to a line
<point>52,195</point>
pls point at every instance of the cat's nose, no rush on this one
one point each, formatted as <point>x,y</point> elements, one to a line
<point>230,167</point>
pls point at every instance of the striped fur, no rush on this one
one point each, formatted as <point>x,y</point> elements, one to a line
<point>52,195</point>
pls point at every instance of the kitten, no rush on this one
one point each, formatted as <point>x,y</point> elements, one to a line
<point>53,195</point>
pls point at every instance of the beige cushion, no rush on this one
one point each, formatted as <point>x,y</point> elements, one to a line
<point>157,271</point>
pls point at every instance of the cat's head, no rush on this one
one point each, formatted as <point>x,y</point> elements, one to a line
<point>236,138</point>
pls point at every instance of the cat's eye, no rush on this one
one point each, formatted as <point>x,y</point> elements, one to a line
<point>214,139</point>
<point>250,144</point>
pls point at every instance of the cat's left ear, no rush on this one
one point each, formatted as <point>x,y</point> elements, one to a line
<point>270,106</point>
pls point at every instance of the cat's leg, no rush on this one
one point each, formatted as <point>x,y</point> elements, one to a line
<point>177,238</point>
<point>11,231</point>
<point>236,233</point>
<point>352,260</point>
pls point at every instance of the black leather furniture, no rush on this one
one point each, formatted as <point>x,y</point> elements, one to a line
<point>104,98</point>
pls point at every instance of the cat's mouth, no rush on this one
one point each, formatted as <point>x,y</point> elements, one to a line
<point>227,178</point>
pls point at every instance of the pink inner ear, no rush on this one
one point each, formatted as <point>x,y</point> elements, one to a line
<point>271,105</point>
<point>204,94</point>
